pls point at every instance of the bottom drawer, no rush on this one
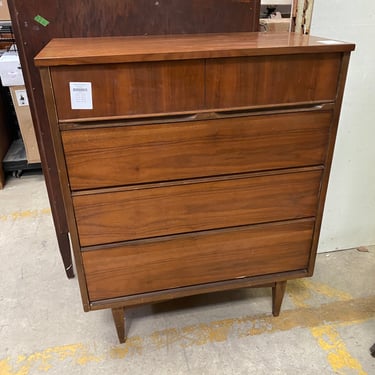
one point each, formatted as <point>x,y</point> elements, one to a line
<point>146,266</point>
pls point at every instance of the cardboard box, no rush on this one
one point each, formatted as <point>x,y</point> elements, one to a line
<point>25,122</point>
<point>10,69</point>
<point>4,11</point>
<point>275,24</point>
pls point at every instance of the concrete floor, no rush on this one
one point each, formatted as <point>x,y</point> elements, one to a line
<point>326,326</point>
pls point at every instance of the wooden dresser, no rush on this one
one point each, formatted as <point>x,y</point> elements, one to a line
<point>192,163</point>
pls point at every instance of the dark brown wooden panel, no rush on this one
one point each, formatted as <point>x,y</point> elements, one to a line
<point>130,89</point>
<point>196,259</point>
<point>141,213</point>
<point>104,157</point>
<point>69,18</point>
<point>270,80</point>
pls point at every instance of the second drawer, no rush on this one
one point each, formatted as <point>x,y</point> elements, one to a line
<point>123,215</point>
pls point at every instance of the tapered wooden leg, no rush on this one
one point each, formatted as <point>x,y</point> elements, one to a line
<point>119,318</point>
<point>278,292</point>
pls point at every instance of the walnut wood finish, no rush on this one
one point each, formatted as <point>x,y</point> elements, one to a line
<point>217,286</point>
<point>225,195</point>
<point>176,86</point>
<point>88,51</point>
<point>94,18</point>
<point>256,81</point>
<point>328,162</point>
<point>197,258</point>
<point>133,89</point>
<point>278,292</point>
<point>195,206</point>
<point>119,319</point>
<point>123,155</point>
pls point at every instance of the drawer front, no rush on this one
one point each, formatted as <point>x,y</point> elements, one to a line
<point>272,80</point>
<point>141,213</point>
<point>132,89</point>
<point>142,266</point>
<point>105,157</point>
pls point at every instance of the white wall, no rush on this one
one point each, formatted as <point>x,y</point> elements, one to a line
<point>349,216</point>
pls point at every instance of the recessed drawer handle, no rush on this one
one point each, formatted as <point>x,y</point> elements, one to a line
<point>274,110</point>
<point>206,116</point>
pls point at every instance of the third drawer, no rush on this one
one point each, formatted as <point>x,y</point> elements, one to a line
<point>159,210</point>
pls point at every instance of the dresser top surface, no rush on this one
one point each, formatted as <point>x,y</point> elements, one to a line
<point>78,51</point>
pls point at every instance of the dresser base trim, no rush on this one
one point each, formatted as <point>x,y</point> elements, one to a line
<point>165,295</point>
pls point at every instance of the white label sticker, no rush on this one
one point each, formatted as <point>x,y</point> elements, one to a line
<point>22,99</point>
<point>81,95</point>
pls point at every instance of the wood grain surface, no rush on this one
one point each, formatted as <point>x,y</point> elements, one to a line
<point>123,155</point>
<point>198,258</point>
<point>133,89</point>
<point>154,88</point>
<point>77,51</point>
<point>270,80</point>
<point>141,213</point>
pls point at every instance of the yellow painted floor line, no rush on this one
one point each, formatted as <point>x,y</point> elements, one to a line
<point>300,292</point>
<point>338,356</point>
<point>19,215</point>
<point>338,313</point>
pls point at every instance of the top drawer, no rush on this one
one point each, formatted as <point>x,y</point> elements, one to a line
<point>132,88</point>
<point>165,87</point>
<point>272,80</point>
